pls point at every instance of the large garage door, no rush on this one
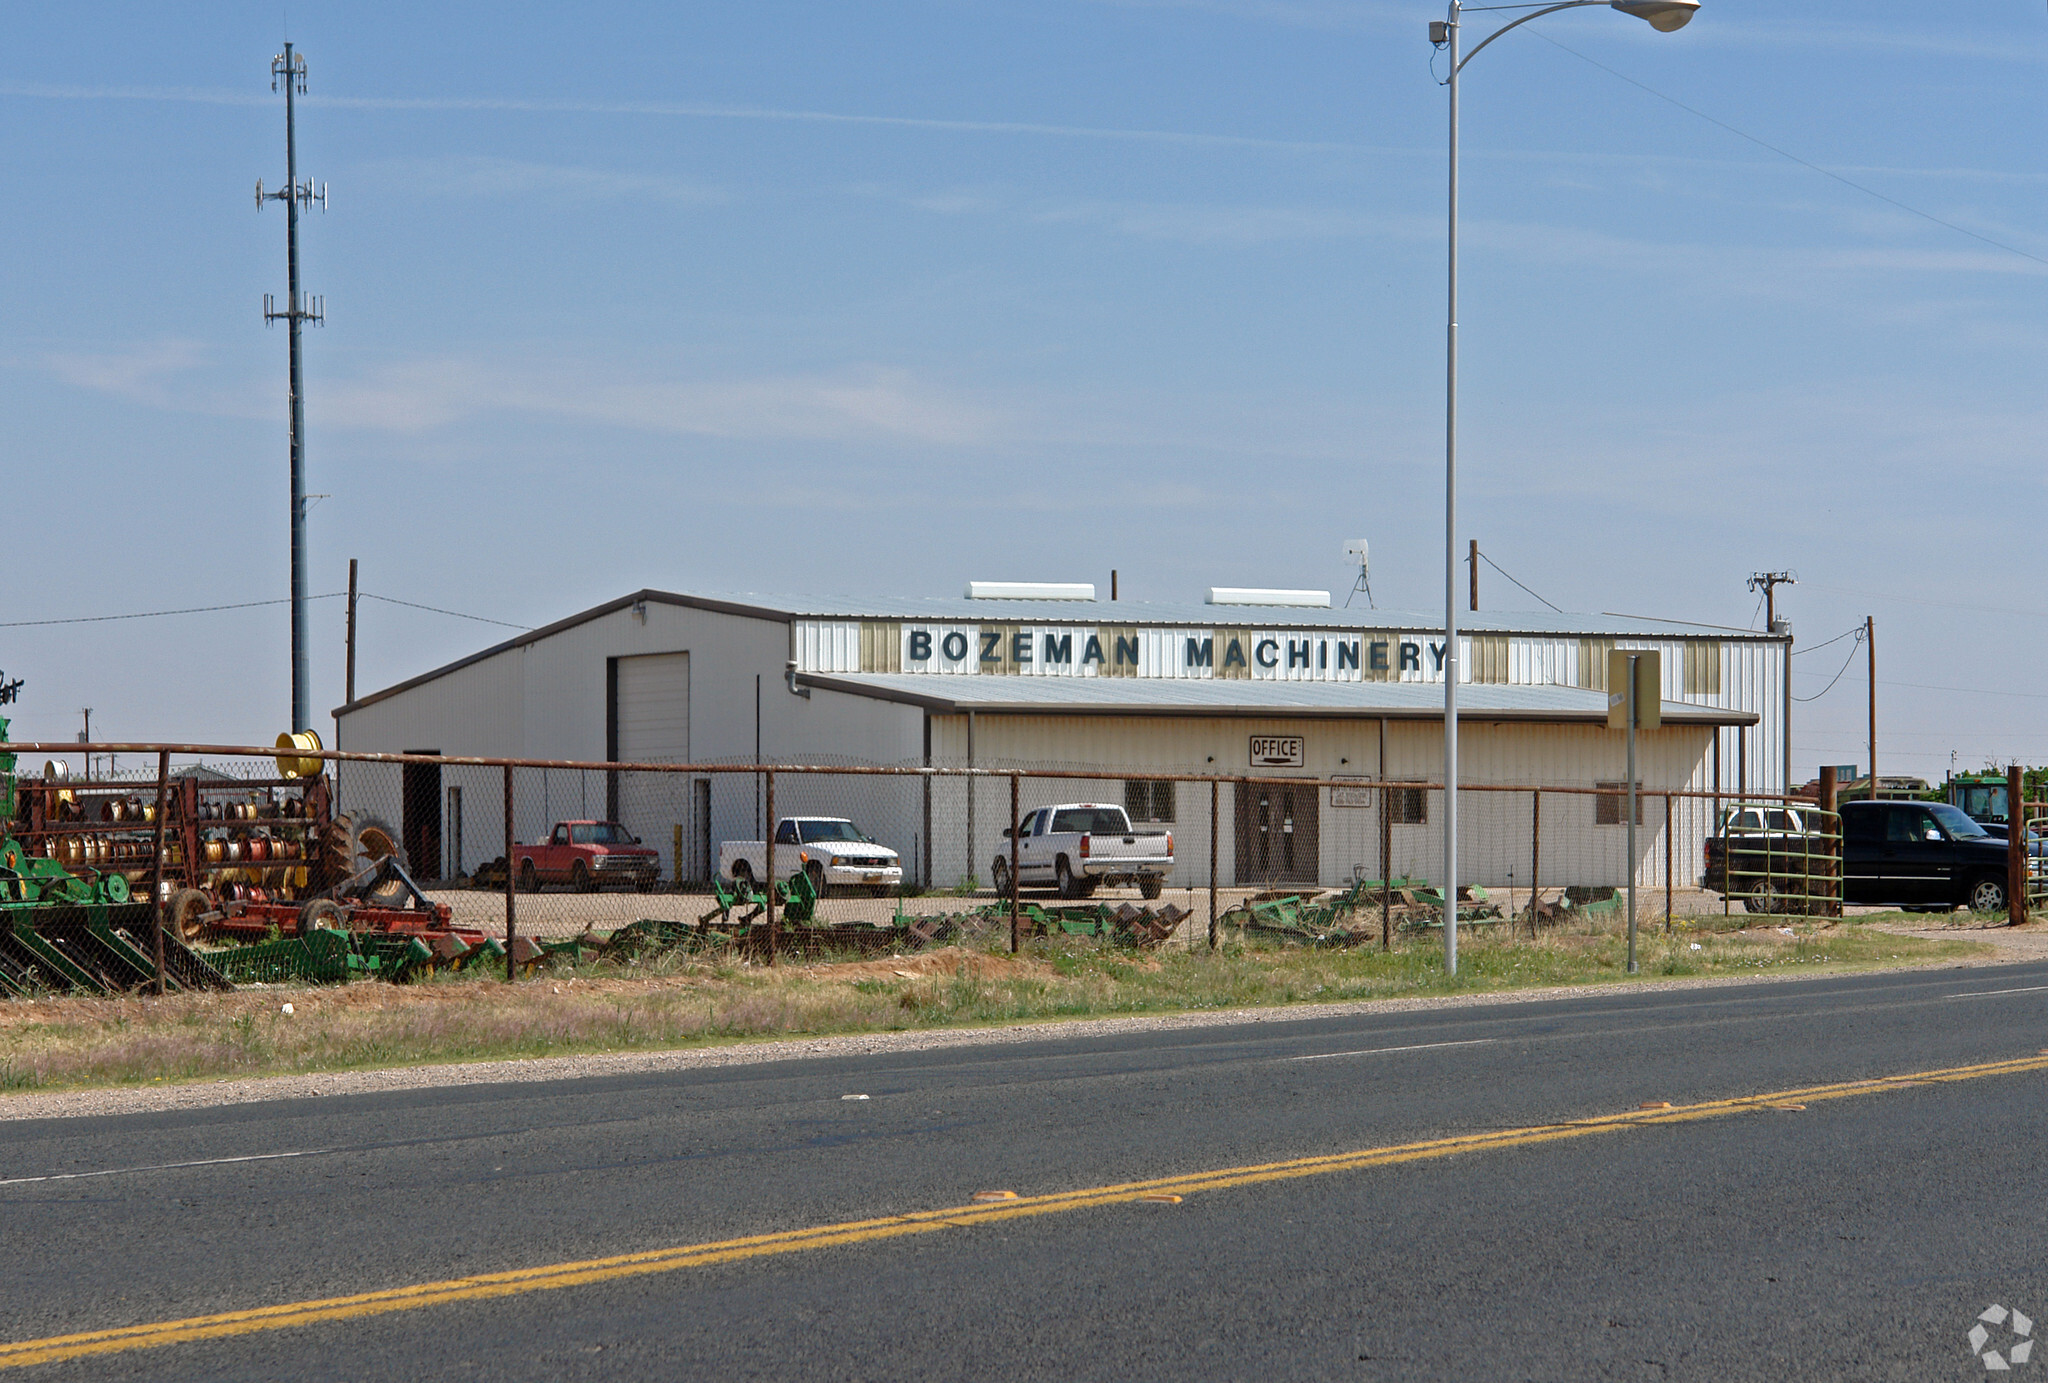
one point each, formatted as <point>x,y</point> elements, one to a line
<point>654,707</point>
<point>653,720</point>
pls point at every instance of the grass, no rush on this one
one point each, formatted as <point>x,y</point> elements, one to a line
<point>55,1043</point>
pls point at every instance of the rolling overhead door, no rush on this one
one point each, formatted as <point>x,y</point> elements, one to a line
<point>651,717</point>
<point>654,708</point>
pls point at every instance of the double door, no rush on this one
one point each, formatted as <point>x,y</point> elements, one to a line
<point>1279,833</point>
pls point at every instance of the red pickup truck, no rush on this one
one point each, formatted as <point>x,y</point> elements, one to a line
<point>587,855</point>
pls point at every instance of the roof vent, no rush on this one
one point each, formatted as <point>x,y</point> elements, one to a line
<point>1247,595</point>
<point>1033,590</point>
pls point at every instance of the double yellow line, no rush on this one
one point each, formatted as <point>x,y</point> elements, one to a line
<point>576,1274</point>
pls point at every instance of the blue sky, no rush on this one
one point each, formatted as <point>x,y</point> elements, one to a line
<point>796,297</point>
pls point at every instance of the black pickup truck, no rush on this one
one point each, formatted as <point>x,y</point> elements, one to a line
<point>1920,856</point>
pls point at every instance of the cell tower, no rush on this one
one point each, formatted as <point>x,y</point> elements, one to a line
<point>1357,550</point>
<point>289,69</point>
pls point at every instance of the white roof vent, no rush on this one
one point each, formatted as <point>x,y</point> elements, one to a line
<point>1248,595</point>
<point>1033,590</point>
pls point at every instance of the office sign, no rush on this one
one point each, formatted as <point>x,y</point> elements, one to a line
<point>1279,751</point>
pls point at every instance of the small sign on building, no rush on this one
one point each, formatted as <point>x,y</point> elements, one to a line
<point>1351,790</point>
<point>1279,751</point>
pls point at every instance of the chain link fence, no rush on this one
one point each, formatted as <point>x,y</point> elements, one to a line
<point>429,860</point>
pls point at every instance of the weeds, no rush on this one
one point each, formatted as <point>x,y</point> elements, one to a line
<point>676,1001</point>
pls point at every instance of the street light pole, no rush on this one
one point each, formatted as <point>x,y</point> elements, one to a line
<point>1664,16</point>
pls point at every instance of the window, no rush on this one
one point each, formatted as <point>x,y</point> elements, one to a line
<point>1102,821</point>
<point>785,834</point>
<point>1149,799</point>
<point>561,836</point>
<point>1408,806</point>
<point>828,831</point>
<point>1608,808</point>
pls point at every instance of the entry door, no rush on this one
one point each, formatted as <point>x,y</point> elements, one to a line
<point>1279,838</point>
<point>420,816</point>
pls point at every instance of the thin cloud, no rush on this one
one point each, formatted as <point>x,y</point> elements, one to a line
<point>159,375</point>
<point>869,402</point>
<point>502,177</point>
<point>683,110</point>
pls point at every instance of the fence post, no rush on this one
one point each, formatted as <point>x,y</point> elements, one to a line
<point>1833,862</point>
<point>2015,845</point>
<point>511,884</point>
<point>1016,923</point>
<point>1535,856</point>
<point>1215,816</point>
<point>1667,863</point>
<point>156,885</point>
<point>768,862</point>
<point>1386,863</point>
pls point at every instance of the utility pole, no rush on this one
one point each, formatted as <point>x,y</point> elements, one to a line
<point>349,697</point>
<point>1870,649</point>
<point>290,69</point>
<point>1474,559</point>
<point>85,737</point>
<point>1768,582</point>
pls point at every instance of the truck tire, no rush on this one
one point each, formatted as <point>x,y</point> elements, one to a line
<point>817,875</point>
<point>529,881</point>
<point>181,916</point>
<point>1063,876</point>
<point>743,874</point>
<point>1151,885</point>
<point>999,872</point>
<point>1987,894</point>
<point>580,880</point>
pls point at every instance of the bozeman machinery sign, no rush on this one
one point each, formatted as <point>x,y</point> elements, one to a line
<point>1170,653</point>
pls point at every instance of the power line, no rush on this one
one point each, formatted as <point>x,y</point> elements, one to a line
<point>1504,572</point>
<point>252,605</point>
<point>1838,676</point>
<point>433,609</point>
<point>158,614</point>
<point>1855,632</point>
<point>1788,154</point>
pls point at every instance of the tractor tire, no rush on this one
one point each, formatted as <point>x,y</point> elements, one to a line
<point>181,914</point>
<point>321,912</point>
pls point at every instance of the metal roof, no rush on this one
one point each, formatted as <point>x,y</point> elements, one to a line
<point>952,695</point>
<point>960,610</point>
<point>1184,614</point>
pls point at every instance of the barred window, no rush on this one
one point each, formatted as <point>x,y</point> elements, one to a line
<point>1149,799</point>
<point>1408,806</point>
<point>1609,808</point>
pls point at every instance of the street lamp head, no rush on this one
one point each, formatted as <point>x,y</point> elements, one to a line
<point>1665,16</point>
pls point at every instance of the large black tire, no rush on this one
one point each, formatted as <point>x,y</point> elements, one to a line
<point>321,912</point>
<point>817,873</point>
<point>181,914</point>
<point>1000,873</point>
<point>1987,894</point>
<point>529,881</point>
<point>580,880</point>
<point>1063,876</point>
<point>1151,885</point>
<point>743,874</point>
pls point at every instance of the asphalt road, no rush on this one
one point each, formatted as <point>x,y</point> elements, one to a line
<point>1857,1238</point>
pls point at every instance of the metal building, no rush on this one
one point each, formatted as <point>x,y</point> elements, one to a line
<point>1267,690</point>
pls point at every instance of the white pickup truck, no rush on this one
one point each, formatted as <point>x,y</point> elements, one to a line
<point>1079,845</point>
<point>830,849</point>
